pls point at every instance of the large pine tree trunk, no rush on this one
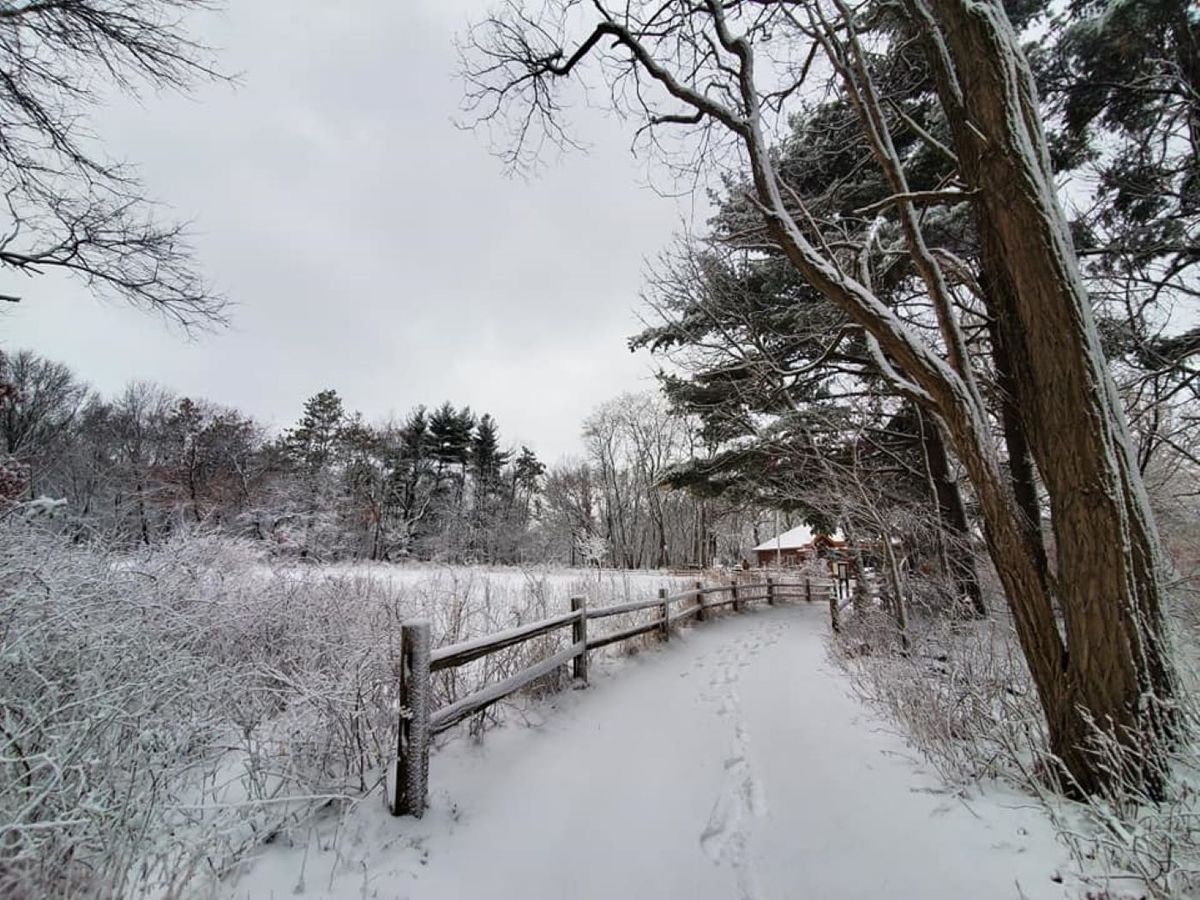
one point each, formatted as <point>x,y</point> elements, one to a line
<point>1116,667</point>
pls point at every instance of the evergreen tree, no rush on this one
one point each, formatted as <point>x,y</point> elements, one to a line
<point>487,459</point>
<point>311,449</point>
<point>312,443</point>
<point>450,436</point>
<point>410,478</point>
<point>487,463</point>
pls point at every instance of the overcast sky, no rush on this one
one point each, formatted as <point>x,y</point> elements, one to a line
<point>368,244</point>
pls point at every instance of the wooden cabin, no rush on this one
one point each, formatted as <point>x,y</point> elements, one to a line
<point>796,546</point>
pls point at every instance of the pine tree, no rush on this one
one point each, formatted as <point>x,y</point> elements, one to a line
<point>313,442</point>
<point>734,73</point>
<point>310,449</point>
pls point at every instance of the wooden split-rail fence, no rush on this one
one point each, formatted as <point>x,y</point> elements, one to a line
<point>418,661</point>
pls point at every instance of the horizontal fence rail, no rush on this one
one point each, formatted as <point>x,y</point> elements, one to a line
<point>468,651</point>
<point>419,723</point>
<point>633,606</point>
<point>466,707</point>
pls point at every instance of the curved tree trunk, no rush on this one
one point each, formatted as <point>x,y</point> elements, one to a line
<point>1115,665</point>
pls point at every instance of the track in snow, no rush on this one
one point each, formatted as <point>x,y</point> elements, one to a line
<point>726,836</point>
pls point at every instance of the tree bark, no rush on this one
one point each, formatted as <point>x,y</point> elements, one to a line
<point>1003,335</point>
<point>1115,666</point>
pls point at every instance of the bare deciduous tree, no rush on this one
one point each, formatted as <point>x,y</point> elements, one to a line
<point>69,207</point>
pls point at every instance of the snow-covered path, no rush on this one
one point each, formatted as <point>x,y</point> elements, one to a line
<point>730,764</point>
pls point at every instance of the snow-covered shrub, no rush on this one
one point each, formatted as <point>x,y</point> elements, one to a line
<point>162,713</point>
<point>962,693</point>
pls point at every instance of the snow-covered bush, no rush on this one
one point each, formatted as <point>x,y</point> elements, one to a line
<point>161,714</point>
<point>962,693</point>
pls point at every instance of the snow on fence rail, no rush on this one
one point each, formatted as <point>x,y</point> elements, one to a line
<point>419,723</point>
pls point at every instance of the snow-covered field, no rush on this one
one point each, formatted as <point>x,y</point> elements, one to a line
<point>611,584</point>
<point>731,763</point>
<point>491,598</point>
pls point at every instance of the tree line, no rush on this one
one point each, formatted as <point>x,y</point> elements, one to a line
<point>438,483</point>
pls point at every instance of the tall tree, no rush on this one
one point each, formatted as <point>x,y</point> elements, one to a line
<point>450,432</point>
<point>137,426</point>
<point>487,463</point>
<point>209,468</point>
<point>1121,83</point>
<point>311,448</point>
<point>570,513</point>
<point>313,441</point>
<point>411,477</point>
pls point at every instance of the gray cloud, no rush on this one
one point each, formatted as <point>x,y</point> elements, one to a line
<point>369,245</point>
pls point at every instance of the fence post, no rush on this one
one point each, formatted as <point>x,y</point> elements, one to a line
<point>770,591</point>
<point>664,606</point>
<point>737,604</point>
<point>835,621</point>
<point>701,615</point>
<point>807,589</point>
<point>412,745</point>
<point>579,636</point>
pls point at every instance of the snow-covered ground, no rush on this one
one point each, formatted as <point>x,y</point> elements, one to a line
<point>497,593</point>
<point>731,763</point>
<point>604,585</point>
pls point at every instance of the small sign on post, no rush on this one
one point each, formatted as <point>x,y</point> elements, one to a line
<point>579,637</point>
<point>411,778</point>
